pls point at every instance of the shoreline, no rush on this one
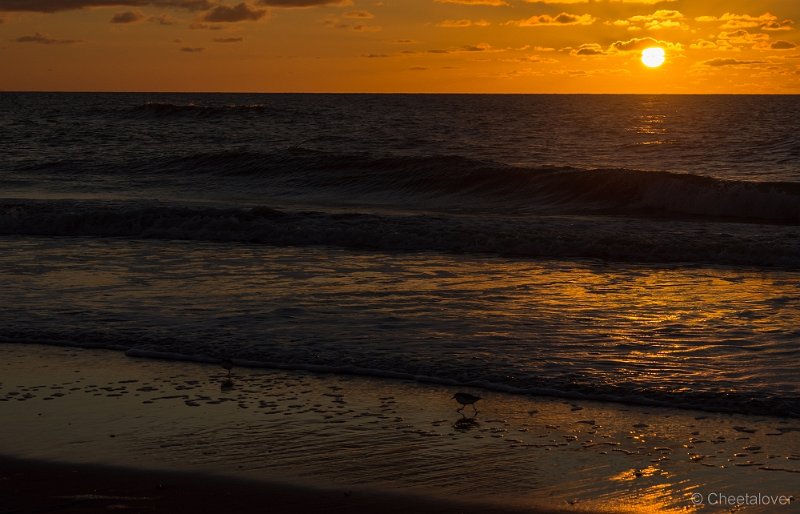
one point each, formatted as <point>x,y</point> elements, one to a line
<point>390,441</point>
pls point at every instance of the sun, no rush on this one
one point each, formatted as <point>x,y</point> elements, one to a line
<point>653,57</point>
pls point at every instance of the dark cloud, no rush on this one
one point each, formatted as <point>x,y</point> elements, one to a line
<point>563,20</point>
<point>127,17</point>
<point>228,39</point>
<point>69,5</point>
<point>228,14</point>
<point>192,50</point>
<point>783,45</point>
<point>366,28</point>
<point>730,62</point>
<point>45,40</point>
<point>192,5</point>
<point>303,3</point>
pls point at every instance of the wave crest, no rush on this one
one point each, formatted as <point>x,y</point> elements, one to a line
<point>519,236</point>
<point>455,180</point>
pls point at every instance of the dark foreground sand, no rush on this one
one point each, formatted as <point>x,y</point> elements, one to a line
<point>28,486</point>
<point>142,435</point>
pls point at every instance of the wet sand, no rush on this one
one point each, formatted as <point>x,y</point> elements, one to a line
<point>316,443</point>
<point>28,486</point>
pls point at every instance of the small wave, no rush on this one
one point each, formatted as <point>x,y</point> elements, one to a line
<point>453,180</point>
<point>517,236</point>
<point>747,403</point>
<point>448,182</point>
<point>166,110</point>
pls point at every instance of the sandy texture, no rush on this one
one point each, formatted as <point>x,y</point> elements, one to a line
<point>365,438</point>
<point>37,486</point>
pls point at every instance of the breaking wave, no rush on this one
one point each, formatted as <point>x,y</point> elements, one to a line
<point>453,181</point>
<point>518,236</point>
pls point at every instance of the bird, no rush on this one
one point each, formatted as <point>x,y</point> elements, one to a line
<point>227,364</point>
<point>466,399</point>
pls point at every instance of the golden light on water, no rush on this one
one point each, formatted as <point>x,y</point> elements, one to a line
<point>653,57</point>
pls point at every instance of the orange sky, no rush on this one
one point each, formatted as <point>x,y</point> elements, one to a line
<point>521,46</point>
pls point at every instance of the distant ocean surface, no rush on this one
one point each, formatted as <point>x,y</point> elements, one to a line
<point>641,249</point>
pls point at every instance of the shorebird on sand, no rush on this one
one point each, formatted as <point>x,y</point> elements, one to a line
<point>228,382</point>
<point>227,364</point>
<point>466,399</point>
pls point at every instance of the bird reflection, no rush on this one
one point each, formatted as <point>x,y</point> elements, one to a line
<point>464,424</point>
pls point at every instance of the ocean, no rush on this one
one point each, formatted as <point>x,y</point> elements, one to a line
<point>637,249</point>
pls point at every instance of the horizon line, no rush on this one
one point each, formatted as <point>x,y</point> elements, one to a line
<point>92,91</point>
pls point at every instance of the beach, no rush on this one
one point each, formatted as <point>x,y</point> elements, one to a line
<point>94,428</point>
<point>616,276</point>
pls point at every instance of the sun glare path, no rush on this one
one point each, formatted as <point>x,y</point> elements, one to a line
<point>653,57</point>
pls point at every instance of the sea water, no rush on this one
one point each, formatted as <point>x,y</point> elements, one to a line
<point>641,249</point>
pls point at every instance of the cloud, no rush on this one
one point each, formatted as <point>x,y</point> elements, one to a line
<point>204,26</point>
<point>303,3</point>
<point>127,17</point>
<point>647,2</point>
<point>533,58</point>
<point>588,49</point>
<point>163,19</point>
<point>366,28</point>
<point>742,37</point>
<point>335,22</point>
<point>239,12</point>
<point>50,6</point>
<point>638,44</point>
<point>460,24</point>
<point>228,39</point>
<point>661,19</point>
<point>783,45</point>
<point>45,40</point>
<point>702,44</point>
<point>192,50</point>
<point>480,47</point>
<point>358,15</point>
<point>563,19</point>
<point>766,21</point>
<point>493,3</point>
<point>730,62</point>
<point>778,25</point>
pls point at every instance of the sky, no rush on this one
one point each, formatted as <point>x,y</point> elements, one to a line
<point>470,46</point>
